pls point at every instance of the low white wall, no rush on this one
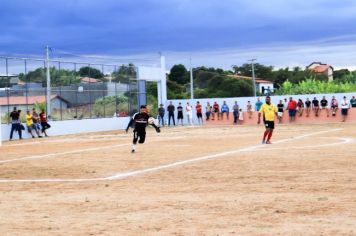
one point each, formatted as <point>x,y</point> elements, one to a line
<point>242,102</point>
<point>73,127</point>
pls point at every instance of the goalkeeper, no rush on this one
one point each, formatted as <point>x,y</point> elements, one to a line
<point>138,122</point>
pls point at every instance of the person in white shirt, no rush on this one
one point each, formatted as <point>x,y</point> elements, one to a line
<point>345,106</point>
<point>189,111</point>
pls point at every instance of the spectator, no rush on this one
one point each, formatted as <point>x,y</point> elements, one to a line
<point>308,106</point>
<point>161,112</point>
<point>36,119</point>
<point>280,109</point>
<point>315,103</point>
<point>235,110</point>
<point>334,105</point>
<point>292,109</point>
<point>116,114</point>
<point>285,103</point>
<point>208,110</point>
<point>300,107</point>
<point>249,109</point>
<point>171,110</point>
<point>225,109</point>
<point>15,123</point>
<point>353,101</point>
<point>189,111</point>
<point>345,106</point>
<point>241,116</point>
<point>258,104</point>
<point>180,113</point>
<point>324,105</point>
<point>198,108</point>
<point>44,123</point>
<point>30,125</point>
<point>122,113</point>
<point>216,110</point>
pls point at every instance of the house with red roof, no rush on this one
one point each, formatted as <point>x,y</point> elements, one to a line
<point>24,103</point>
<point>321,68</point>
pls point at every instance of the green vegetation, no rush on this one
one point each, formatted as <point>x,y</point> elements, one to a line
<point>216,82</point>
<point>107,105</point>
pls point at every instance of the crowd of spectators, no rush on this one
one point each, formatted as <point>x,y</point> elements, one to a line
<point>215,111</point>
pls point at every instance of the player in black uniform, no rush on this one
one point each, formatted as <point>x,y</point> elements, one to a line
<point>139,121</point>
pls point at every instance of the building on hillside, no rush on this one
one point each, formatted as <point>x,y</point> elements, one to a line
<point>320,68</point>
<point>262,86</point>
<point>23,103</point>
<point>6,80</point>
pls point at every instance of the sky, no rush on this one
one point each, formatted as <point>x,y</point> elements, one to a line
<point>213,33</point>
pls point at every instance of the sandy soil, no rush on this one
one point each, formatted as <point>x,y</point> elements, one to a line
<point>229,184</point>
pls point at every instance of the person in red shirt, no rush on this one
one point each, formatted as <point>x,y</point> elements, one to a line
<point>44,124</point>
<point>216,110</point>
<point>198,108</point>
<point>292,109</point>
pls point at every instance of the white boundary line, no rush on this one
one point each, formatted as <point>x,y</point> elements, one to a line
<point>76,151</point>
<point>162,167</point>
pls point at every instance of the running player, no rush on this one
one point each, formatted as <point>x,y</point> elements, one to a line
<point>139,122</point>
<point>269,111</point>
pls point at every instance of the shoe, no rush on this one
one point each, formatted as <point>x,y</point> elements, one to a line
<point>40,136</point>
<point>10,139</point>
<point>263,141</point>
<point>133,151</point>
<point>268,142</point>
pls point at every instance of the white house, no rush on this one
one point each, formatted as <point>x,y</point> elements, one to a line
<point>320,68</point>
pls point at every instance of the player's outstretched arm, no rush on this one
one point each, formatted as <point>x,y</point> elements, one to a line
<point>129,124</point>
<point>157,128</point>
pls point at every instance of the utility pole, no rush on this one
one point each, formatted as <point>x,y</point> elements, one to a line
<point>48,79</point>
<point>253,76</point>
<point>191,80</point>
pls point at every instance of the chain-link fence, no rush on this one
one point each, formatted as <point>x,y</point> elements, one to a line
<point>78,90</point>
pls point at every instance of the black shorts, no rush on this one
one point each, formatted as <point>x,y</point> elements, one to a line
<point>199,115</point>
<point>344,112</point>
<point>180,115</point>
<point>269,124</point>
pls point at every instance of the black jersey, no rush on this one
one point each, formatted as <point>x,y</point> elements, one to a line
<point>315,102</point>
<point>139,121</point>
<point>280,107</point>
<point>324,102</point>
<point>307,103</point>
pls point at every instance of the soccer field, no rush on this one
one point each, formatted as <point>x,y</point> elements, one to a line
<point>216,180</point>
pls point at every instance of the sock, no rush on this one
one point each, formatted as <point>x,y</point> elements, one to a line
<point>269,135</point>
<point>133,147</point>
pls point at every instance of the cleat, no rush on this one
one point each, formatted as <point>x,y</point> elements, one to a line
<point>268,142</point>
<point>132,151</point>
<point>263,142</point>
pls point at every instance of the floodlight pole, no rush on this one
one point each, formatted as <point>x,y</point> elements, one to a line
<point>48,80</point>
<point>191,80</point>
<point>253,76</point>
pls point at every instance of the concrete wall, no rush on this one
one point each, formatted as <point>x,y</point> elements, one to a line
<point>74,127</point>
<point>242,101</point>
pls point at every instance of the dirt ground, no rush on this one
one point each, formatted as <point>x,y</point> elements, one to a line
<point>184,181</point>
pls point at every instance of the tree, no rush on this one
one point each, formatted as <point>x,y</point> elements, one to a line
<point>261,71</point>
<point>91,72</point>
<point>179,74</point>
<point>125,73</point>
